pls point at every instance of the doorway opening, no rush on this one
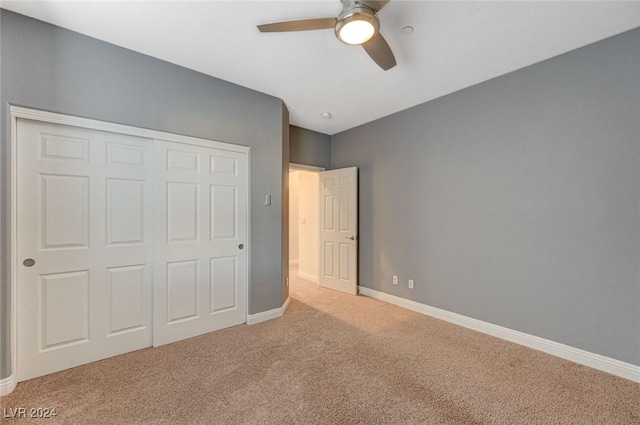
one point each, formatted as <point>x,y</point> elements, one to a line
<point>323,227</point>
<point>304,184</point>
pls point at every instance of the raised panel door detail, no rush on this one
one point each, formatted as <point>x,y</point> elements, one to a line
<point>328,213</point>
<point>338,230</point>
<point>64,148</point>
<point>223,165</point>
<point>177,160</point>
<point>125,211</point>
<point>182,285</point>
<point>182,211</point>
<point>343,272</point>
<point>65,211</point>
<point>212,211</point>
<point>328,259</point>
<point>127,298</point>
<point>64,309</point>
<point>328,183</point>
<point>118,154</point>
<point>85,215</point>
<point>223,212</point>
<point>344,213</point>
<point>223,283</point>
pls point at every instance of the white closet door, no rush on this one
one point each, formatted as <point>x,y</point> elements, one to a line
<point>84,230</point>
<point>201,236</point>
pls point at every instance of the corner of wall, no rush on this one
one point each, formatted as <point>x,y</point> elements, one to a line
<point>284,257</point>
<point>7,385</point>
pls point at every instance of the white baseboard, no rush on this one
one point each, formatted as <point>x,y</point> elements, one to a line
<point>253,319</point>
<point>7,385</point>
<point>596,361</point>
<point>307,276</point>
<point>285,306</point>
<point>294,262</point>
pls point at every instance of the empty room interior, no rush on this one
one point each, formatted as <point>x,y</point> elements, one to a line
<point>327,212</point>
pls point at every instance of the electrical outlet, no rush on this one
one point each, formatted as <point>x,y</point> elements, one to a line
<point>410,283</point>
<point>395,280</point>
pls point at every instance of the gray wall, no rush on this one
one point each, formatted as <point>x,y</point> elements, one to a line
<point>515,201</point>
<point>309,147</point>
<point>50,68</point>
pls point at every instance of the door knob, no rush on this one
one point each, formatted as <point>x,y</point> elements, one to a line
<point>353,238</point>
<point>28,262</point>
<point>240,246</point>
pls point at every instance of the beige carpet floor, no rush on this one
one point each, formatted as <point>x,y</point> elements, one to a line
<point>334,359</point>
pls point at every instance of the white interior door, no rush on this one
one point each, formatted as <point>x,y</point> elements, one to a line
<point>201,236</point>
<point>85,246</point>
<point>339,230</point>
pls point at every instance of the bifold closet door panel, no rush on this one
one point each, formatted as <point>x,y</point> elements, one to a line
<point>85,246</point>
<point>201,236</point>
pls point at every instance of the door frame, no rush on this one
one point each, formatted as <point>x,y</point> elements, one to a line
<point>302,167</point>
<point>9,383</point>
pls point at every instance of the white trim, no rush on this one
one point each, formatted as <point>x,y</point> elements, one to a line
<point>17,112</point>
<point>307,276</point>
<point>54,118</point>
<point>253,319</point>
<point>294,262</point>
<point>247,298</point>
<point>7,385</point>
<point>596,361</point>
<point>297,167</point>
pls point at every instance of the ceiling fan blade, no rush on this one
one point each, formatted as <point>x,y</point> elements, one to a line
<point>380,52</point>
<point>299,25</point>
<point>376,4</point>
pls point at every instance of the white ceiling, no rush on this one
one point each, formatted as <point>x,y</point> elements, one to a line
<point>455,45</point>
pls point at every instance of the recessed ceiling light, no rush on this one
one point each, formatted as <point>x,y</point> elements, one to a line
<point>326,115</point>
<point>407,30</point>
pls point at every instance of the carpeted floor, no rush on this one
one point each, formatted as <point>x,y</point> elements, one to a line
<point>334,359</point>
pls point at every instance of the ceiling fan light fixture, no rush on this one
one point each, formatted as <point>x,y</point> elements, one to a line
<point>357,26</point>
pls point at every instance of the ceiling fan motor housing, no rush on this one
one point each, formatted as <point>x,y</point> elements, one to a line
<point>356,11</point>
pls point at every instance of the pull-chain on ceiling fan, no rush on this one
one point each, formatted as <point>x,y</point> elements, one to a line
<point>357,24</point>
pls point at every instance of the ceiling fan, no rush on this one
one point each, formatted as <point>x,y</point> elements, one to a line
<point>356,24</point>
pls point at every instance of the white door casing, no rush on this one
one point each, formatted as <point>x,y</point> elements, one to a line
<point>84,202</point>
<point>201,237</point>
<point>339,230</point>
